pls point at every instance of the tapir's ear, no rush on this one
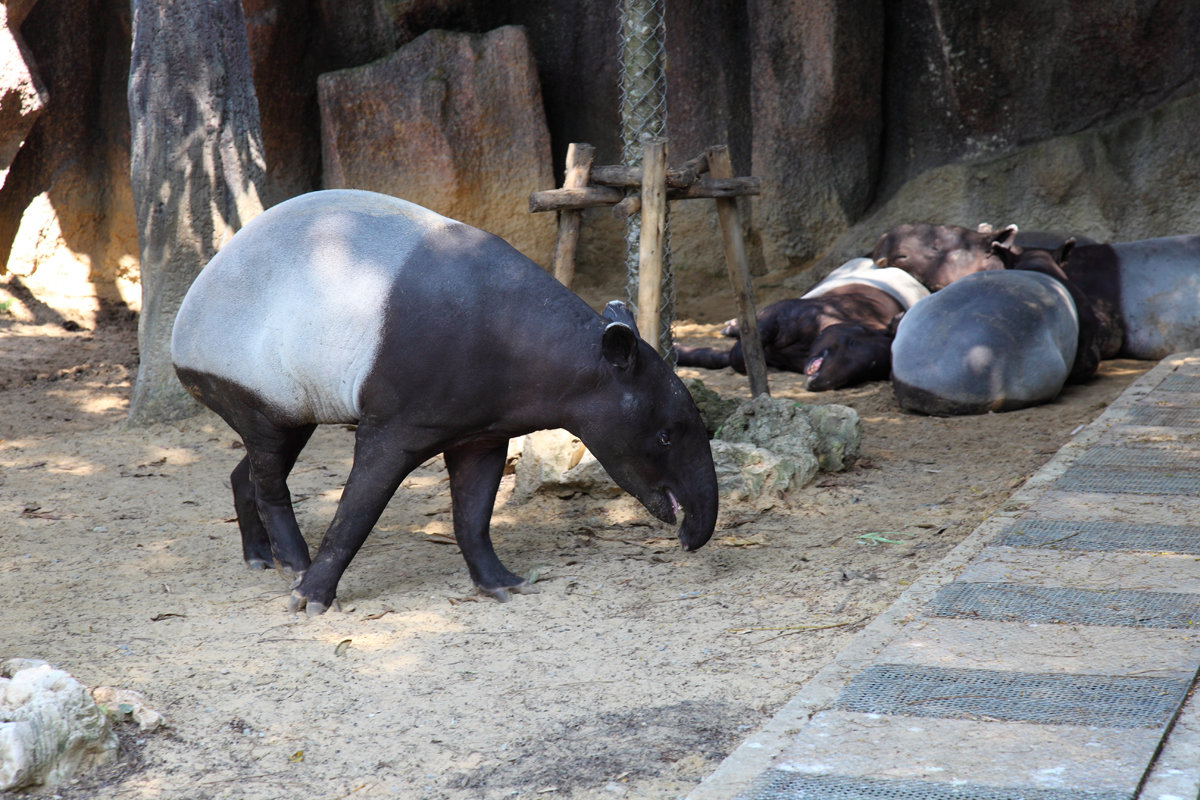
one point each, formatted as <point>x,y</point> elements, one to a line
<point>1064,250</point>
<point>1007,257</point>
<point>616,311</point>
<point>620,345</point>
<point>1007,235</point>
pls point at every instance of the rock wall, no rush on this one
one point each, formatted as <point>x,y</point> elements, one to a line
<point>856,113</point>
<point>450,121</point>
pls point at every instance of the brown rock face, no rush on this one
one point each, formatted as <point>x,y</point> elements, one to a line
<point>453,122</point>
<point>22,96</point>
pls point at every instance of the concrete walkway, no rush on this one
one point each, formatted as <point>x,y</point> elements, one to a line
<point>1051,656</point>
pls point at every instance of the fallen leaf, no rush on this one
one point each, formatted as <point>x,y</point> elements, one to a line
<point>296,757</point>
<point>737,541</point>
<point>882,537</point>
<point>342,647</point>
<point>160,617</point>
<point>379,614</point>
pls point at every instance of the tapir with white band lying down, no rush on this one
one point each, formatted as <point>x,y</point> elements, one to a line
<point>433,337</point>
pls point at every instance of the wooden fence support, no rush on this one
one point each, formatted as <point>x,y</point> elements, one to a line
<point>653,236</point>
<point>579,166</point>
<point>709,175</point>
<point>720,166</point>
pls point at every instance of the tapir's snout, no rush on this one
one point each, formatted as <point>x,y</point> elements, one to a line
<point>698,507</point>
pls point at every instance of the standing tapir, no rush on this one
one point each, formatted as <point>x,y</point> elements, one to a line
<point>434,337</point>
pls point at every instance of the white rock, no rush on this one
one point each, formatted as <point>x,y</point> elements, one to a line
<point>50,727</point>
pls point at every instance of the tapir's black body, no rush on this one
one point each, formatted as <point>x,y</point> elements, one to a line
<point>840,338</point>
<point>434,337</point>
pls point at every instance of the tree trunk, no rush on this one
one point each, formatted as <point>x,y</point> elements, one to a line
<point>196,166</point>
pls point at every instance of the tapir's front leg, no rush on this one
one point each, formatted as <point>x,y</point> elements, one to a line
<point>380,465</point>
<point>475,473</point>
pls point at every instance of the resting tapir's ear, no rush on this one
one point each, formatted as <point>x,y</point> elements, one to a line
<point>1007,257</point>
<point>616,311</point>
<point>1064,250</point>
<point>620,345</point>
<point>1007,235</point>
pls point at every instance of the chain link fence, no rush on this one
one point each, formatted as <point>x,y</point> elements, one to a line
<point>644,115</point>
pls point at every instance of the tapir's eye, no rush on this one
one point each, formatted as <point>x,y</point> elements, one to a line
<point>664,438</point>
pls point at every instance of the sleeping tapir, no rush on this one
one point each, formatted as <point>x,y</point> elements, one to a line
<point>838,334</point>
<point>433,337</point>
<point>938,255</point>
<point>1149,289</point>
<point>1098,330</point>
<point>991,341</point>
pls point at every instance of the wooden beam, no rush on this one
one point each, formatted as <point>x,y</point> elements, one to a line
<point>579,164</point>
<point>653,235</point>
<point>736,263</point>
<point>624,177</point>
<point>563,199</point>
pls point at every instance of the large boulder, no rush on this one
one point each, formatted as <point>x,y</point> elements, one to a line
<point>450,121</point>
<point>50,727</point>
<point>22,95</point>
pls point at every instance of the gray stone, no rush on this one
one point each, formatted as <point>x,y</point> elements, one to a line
<point>556,462</point>
<point>714,407</point>
<point>839,435</point>
<point>746,472</point>
<point>451,121</point>
<point>50,727</point>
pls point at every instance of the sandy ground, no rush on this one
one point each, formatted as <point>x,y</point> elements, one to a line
<point>632,673</point>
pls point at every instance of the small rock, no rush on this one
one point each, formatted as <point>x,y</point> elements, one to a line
<point>746,472</point>
<point>556,462</point>
<point>839,435</point>
<point>126,704</point>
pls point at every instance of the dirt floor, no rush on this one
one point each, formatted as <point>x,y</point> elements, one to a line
<point>632,673</point>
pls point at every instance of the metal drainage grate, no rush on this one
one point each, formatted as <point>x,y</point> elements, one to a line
<point>1165,458</point>
<point>1118,536</point>
<point>1127,481</point>
<point>1105,701</point>
<point>779,784</point>
<point>1006,602</point>
<point>1176,382</point>
<point>1165,415</point>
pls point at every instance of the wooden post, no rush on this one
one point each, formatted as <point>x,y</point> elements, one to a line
<point>579,165</point>
<point>650,246</point>
<point>719,166</point>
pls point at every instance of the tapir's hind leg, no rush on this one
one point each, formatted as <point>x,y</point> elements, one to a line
<point>475,474</point>
<point>380,464</point>
<point>256,541</point>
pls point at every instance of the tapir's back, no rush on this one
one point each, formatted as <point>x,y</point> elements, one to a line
<point>293,308</point>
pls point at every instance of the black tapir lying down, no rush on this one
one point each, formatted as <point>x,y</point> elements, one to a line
<point>838,334</point>
<point>434,337</point>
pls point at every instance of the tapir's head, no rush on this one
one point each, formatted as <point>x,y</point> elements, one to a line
<point>643,426</point>
<point>847,354</point>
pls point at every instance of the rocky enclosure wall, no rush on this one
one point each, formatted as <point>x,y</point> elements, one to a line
<point>855,113</point>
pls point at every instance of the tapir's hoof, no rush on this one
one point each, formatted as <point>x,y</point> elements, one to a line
<point>502,593</point>
<point>290,574</point>
<point>258,563</point>
<point>311,607</point>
